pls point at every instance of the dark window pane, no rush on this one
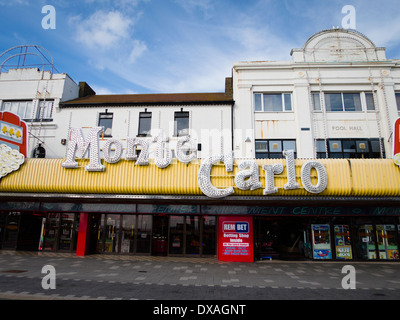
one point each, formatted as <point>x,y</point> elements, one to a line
<point>105,120</point>
<point>333,102</point>
<point>349,146</point>
<point>352,102</point>
<point>370,101</point>
<point>273,102</point>
<point>288,102</point>
<point>144,123</point>
<point>316,101</point>
<point>398,100</point>
<point>181,123</point>
<point>257,102</point>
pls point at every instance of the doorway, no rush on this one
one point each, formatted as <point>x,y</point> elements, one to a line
<point>160,236</point>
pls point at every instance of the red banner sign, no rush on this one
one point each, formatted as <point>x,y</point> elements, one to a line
<point>235,239</point>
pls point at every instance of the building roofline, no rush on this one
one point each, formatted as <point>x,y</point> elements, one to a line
<point>150,99</point>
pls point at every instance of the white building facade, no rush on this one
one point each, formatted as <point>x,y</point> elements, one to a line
<point>35,96</point>
<point>336,98</point>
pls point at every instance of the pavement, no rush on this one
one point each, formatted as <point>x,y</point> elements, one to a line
<point>119,277</point>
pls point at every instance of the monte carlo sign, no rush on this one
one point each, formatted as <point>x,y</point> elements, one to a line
<point>246,179</point>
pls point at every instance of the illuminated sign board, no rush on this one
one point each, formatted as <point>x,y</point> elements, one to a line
<point>13,145</point>
<point>246,179</point>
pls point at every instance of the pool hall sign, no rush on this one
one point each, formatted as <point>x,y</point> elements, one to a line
<point>246,179</point>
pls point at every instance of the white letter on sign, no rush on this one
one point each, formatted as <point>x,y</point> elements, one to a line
<point>91,144</point>
<point>204,178</point>
<point>306,177</point>
<point>248,179</point>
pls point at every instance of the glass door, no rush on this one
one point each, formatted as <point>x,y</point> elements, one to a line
<point>176,233</point>
<point>66,231</point>
<point>144,233</point>
<point>51,231</point>
<point>321,241</point>
<point>342,241</point>
<point>192,235</point>
<point>387,242</point>
<point>160,236</point>
<point>112,233</point>
<point>209,235</point>
<point>365,242</point>
<point>128,233</point>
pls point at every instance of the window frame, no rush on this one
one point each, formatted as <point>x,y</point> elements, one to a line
<point>397,98</point>
<point>286,105</point>
<point>181,115</point>
<point>341,152</point>
<point>365,100</point>
<point>266,153</point>
<point>28,111</point>
<point>144,115</point>
<point>109,115</point>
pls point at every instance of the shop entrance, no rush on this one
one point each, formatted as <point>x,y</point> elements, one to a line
<point>160,236</point>
<point>279,237</point>
<point>20,231</point>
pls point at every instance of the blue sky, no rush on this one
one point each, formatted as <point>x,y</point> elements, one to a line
<point>145,46</point>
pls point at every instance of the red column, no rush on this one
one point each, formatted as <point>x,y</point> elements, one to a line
<point>82,247</point>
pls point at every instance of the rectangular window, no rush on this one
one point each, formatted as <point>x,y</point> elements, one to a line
<point>45,110</point>
<point>105,121</point>
<point>316,101</point>
<point>348,102</point>
<point>397,94</point>
<point>181,123</point>
<point>369,99</point>
<point>258,102</point>
<point>350,148</point>
<point>333,102</point>
<point>272,149</point>
<point>321,149</point>
<point>24,109</point>
<point>144,124</point>
<point>273,102</point>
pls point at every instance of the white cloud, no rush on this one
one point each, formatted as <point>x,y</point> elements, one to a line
<point>139,47</point>
<point>103,29</point>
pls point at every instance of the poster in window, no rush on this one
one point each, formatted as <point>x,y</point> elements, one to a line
<point>321,241</point>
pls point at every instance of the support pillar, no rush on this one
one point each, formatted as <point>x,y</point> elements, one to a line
<point>82,247</point>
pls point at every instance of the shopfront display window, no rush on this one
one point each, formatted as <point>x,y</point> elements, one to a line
<point>321,241</point>
<point>342,242</point>
<point>59,232</point>
<point>387,242</point>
